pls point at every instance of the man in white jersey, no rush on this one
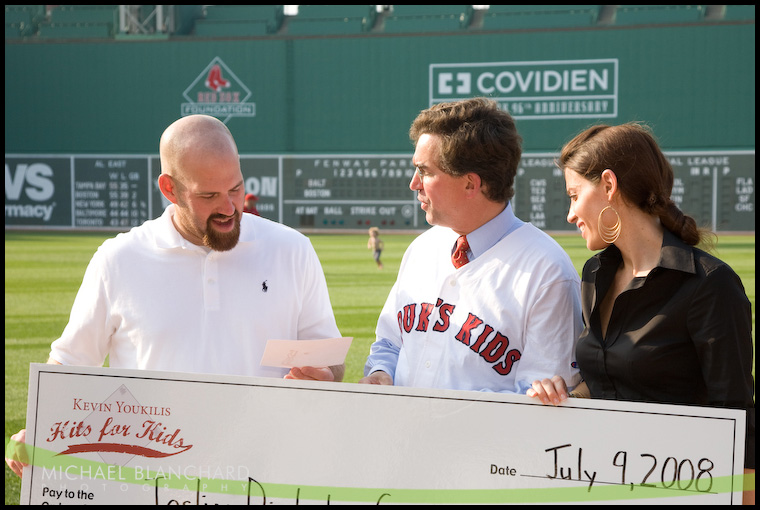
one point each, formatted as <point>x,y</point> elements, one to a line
<point>174,293</point>
<point>483,301</point>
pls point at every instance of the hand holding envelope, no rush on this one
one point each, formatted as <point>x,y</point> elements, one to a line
<point>321,360</point>
<point>311,374</point>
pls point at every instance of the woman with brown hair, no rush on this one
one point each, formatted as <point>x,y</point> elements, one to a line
<point>664,320</point>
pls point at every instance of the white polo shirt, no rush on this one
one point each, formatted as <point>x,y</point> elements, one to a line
<point>152,300</point>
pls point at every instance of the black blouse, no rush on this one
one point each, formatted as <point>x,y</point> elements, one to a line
<point>680,335</point>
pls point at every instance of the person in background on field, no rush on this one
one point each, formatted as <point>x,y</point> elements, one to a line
<point>250,204</point>
<point>174,294</point>
<point>375,244</point>
<point>664,321</point>
<point>483,301</point>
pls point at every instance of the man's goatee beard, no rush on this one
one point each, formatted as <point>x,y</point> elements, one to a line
<point>220,241</point>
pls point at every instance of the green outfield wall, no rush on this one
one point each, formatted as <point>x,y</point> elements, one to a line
<point>321,120</point>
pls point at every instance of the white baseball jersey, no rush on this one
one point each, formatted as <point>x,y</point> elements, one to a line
<point>509,317</point>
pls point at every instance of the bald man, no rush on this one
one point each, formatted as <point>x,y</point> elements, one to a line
<point>174,294</point>
<point>200,174</point>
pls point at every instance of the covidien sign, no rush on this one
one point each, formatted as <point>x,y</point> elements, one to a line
<point>550,89</point>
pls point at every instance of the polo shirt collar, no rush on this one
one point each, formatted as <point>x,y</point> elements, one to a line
<point>166,236</point>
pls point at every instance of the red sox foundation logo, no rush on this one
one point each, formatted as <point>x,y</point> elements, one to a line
<point>218,92</point>
<point>214,81</point>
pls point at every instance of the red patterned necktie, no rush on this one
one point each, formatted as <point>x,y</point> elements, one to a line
<point>459,257</point>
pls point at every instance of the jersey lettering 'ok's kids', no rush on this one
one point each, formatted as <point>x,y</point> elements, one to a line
<point>490,344</point>
<point>510,316</point>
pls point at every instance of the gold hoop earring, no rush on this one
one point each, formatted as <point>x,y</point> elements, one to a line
<point>609,234</point>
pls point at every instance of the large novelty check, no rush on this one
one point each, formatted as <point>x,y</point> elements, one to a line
<point>101,436</point>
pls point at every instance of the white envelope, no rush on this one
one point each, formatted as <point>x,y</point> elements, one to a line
<point>306,353</point>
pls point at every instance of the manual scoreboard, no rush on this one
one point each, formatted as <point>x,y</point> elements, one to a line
<point>343,192</point>
<point>350,192</point>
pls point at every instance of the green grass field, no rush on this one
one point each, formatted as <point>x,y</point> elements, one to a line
<point>43,272</point>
